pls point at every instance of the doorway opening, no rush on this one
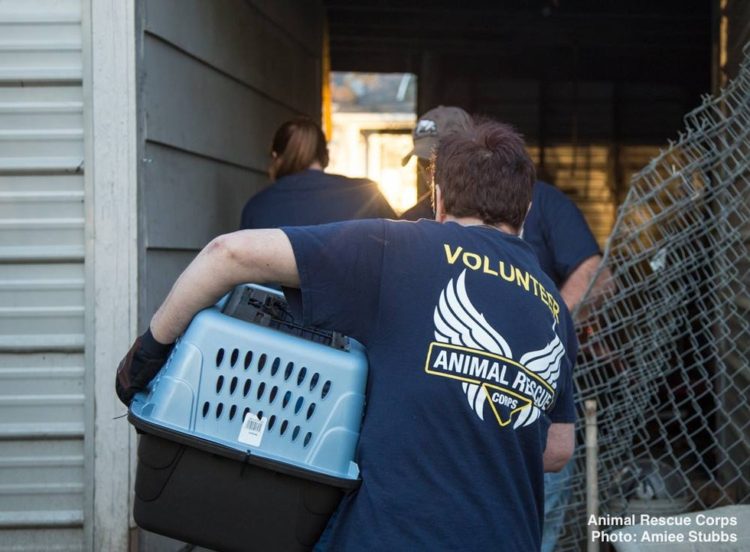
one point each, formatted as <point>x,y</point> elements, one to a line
<point>372,117</point>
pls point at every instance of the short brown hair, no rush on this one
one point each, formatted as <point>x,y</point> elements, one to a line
<point>485,172</point>
<point>297,144</point>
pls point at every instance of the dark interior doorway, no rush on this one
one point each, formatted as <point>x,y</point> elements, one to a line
<point>595,86</point>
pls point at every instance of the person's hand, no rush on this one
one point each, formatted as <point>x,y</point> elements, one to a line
<point>143,361</point>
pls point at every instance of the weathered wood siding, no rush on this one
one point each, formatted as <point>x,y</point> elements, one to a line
<point>215,80</point>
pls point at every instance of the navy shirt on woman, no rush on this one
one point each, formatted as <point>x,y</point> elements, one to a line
<point>314,197</point>
<point>471,351</point>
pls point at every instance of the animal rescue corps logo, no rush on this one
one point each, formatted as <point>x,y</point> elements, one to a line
<point>468,349</point>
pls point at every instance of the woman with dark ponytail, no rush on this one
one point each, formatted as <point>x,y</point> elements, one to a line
<point>302,193</point>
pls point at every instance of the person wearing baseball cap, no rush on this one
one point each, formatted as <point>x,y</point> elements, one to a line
<point>434,125</point>
<point>431,127</point>
<point>554,227</point>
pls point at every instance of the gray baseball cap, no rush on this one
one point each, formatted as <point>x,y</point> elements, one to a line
<point>434,125</point>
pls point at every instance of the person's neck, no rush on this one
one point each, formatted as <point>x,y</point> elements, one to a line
<point>315,167</point>
<point>474,221</point>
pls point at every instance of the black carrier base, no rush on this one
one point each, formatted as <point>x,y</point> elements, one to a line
<point>216,502</point>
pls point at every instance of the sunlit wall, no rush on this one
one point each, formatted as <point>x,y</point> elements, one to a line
<point>372,118</point>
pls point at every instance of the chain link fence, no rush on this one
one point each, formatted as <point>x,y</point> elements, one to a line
<point>665,347</point>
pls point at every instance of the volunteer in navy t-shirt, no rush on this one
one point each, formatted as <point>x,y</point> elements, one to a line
<point>314,197</point>
<point>471,352</point>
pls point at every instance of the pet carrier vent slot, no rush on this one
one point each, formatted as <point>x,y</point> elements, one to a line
<point>310,410</point>
<point>219,384</point>
<point>284,425</point>
<point>246,388</point>
<point>288,371</point>
<point>298,406</point>
<point>275,366</point>
<point>287,398</point>
<point>219,410</point>
<point>307,439</point>
<point>295,433</point>
<point>233,385</point>
<point>301,375</point>
<point>232,411</point>
<point>245,413</point>
<point>272,395</point>
<point>326,389</point>
<point>260,414</point>
<point>248,359</point>
<point>271,421</point>
<point>234,357</point>
<point>261,389</point>
<point>206,406</point>
<point>314,380</point>
<point>262,362</point>
<point>219,357</point>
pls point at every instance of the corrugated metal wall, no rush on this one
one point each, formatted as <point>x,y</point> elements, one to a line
<point>42,398</point>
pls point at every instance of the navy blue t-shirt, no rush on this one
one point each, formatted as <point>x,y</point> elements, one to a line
<point>471,351</point>
<point>314,197</point>
<point>558,233</point>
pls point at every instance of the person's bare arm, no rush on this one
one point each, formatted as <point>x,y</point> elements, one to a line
<point>577,283</point>
<point>560,446</point>
<point>257,256</point>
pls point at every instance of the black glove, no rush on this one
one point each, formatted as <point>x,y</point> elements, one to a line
<point>143,361</point>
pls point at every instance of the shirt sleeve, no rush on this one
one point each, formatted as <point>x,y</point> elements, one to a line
<point>568,234</point>
<point>564,411</point>
<point>340,267</point>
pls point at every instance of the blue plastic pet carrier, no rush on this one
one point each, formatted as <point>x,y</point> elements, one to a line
<point>249,430</point>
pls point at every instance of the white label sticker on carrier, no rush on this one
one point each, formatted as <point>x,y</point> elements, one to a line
<point>251,432</point>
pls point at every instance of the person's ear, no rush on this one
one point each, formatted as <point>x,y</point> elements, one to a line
<point>438,204</point>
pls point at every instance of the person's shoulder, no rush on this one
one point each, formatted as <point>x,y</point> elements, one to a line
<point>367,192</point>
<point>549,193</point>
<point>394,229</point>
<point>353,182</point>
<point>422,209</point>
<point>340,179</point>
<point>421,225</point>
<point>350,226</point>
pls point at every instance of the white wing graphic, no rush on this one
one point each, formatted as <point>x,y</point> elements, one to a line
<point>457,322</point>
<point>545,363</point>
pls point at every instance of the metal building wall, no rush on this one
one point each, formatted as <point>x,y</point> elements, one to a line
<point>42,398</point>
